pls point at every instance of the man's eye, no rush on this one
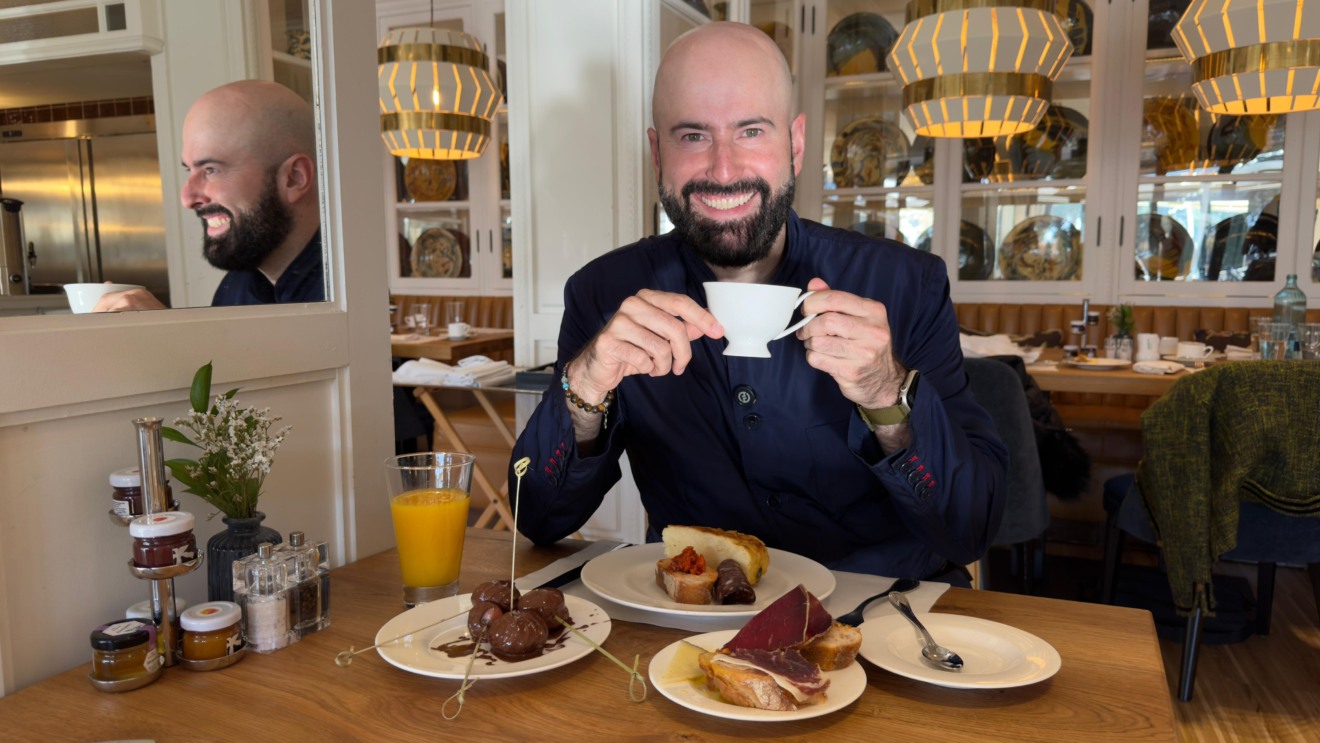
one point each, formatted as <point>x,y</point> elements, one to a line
<point>753,132</point>
<point>692,137</point>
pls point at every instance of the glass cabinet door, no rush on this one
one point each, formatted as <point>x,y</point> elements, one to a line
<point>1208,187</point>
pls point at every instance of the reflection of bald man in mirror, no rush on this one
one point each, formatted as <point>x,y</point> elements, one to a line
<point>249,155</point>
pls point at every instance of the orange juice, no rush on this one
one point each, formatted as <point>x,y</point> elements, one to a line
<point>429,527</point>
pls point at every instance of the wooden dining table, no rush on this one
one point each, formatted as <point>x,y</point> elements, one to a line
<point>1052,375</point>
<point>1111,685</point>
<point>484,341</point>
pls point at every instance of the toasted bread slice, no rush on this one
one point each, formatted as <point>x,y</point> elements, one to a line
<point>835,648</point>
<point>685,588</point>
<point>718,545</point>
<point>750,687</point>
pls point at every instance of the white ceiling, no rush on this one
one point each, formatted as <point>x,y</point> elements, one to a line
<point>80,79</point>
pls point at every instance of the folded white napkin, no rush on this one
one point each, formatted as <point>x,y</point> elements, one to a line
<point>481,372</point>
<point>1157,367</point>
<point>980,346</point>
<point>1238,353</point>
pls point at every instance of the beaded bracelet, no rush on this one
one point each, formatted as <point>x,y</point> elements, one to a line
<point>603,408</point>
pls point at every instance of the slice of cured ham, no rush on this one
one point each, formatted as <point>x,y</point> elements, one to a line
<point>791,620</point>
<point>794,673</point>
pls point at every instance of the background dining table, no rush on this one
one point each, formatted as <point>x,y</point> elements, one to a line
<point>484,341</point>
<point>1111,685</point>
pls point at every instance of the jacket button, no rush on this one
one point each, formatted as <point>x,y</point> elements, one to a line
<point>773,501</point>
<point>752,421</point>
<point>744,395</point>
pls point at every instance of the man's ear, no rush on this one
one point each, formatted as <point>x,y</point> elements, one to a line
<point>798,131</point>
<point>297,178</point>
<point>654,139</point>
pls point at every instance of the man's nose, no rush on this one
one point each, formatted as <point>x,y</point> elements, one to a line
<point>725,163</point>
<point>191,194</point>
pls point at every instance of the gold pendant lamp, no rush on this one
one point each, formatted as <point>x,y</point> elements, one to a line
<point>436,96</point>
<point>978,68</point>
<point>1252,56</point>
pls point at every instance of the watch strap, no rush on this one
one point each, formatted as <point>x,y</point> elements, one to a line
<point>890,416</point>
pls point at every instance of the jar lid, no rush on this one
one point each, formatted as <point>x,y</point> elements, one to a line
<point>129,477</point>
<point>122,633</point>
<point>161,524</point>
<point>142,609</point>
<point>212,615</point>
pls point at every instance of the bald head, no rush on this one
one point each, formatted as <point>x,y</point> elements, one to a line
<point>264,118</point>
<point>719,59</point>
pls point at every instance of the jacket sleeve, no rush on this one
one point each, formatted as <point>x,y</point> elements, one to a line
<point>948,484</point>
<point>561,488</point>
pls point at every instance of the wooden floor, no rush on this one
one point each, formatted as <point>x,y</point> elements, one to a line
<point>1266,688</point>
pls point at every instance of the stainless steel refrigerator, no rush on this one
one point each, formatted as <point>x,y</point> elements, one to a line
<point>91,198</point>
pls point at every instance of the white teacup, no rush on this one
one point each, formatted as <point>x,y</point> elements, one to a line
<point>458,331</point>
<point>83,297</point>
<point>1148,347</point>
<point>1194,350</point>
<point>753,314</point>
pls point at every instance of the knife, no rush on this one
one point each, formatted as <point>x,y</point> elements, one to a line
<point>565,570</point>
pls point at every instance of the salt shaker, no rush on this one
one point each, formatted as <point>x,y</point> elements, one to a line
<point>265,601</point>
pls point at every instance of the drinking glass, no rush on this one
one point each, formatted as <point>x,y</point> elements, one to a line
<point>429,495</point>
<point>422,318</point>
<point>1311,340</point>
<point>1274,340</point>
<point>453,312</point>
<point>1258,325</point>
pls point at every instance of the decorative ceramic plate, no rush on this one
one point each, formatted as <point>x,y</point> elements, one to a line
<point>858,44</point>
<point>976,251</point>
<point>995,656</point>
<point>878,227</point>
<point>1041,248</point>
<point>430,180</point>
<point>627,576</point>
<point>979,157</point>
<point>1055,148</point>
<point>423,632</point>
<point>1096,364</point>
<point>1234,140</point>
<point>1239,243</point>
<point>869,152</point>
<point>1164,15</point>
<point>1169,135</point>
<point>437,253</point>
<point>1164,249</point>
<point>846,686</point>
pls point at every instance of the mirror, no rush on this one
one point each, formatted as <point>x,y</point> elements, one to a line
<point>90,151</point>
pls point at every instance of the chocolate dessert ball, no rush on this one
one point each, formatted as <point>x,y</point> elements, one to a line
<point>495,591</point>
<point>518,635</point>
<point>481,615</point>
<point>549,603</point>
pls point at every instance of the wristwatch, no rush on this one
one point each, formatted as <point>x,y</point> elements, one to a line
<point>899,411</point>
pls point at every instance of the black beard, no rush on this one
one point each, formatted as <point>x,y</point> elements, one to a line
<point>253,234</point>
<point>730,244</point>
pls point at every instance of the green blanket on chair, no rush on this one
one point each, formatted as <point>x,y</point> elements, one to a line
<point>1236,431</point>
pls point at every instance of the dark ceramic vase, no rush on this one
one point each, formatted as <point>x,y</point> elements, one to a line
<point>238,540</point>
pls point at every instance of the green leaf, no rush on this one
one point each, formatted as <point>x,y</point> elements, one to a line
<point>174,434</point>
<point>230,394</point>
<point>201,388</point>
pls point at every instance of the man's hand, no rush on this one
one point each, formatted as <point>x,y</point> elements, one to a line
<point>651,334</point>
<point>850,341</point>
<point>128,301</point>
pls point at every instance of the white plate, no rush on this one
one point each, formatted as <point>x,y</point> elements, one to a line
<point>995,656</point>
<point>415,652</point>
<point>1194,360</point>
<point>627,576</point>
<point>846,685</point>
<point>1098,364</point>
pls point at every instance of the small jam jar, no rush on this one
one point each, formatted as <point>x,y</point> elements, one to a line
<point>127,486</point>
<point>124,650</point>
<point>211,630</point>
<point>163,539</point>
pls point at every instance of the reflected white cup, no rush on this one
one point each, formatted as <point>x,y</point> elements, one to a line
<point>458,331</point>
<point>1168,346</point>
<point>83,297</point>
<point>1148,347</point>
<point>753,314</point>
<point>1194,350</point>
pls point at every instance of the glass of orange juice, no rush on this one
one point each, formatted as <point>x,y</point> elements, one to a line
<point>429,495</point>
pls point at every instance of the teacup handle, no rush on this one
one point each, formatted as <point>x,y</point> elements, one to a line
<point>794,327</point>
<point>1207,351</point>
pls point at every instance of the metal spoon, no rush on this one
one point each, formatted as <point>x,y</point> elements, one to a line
<point>934,653</point>
<point>854,618</point>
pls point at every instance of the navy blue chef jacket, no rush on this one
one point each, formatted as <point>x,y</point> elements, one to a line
<point>302,281</point>
<point>770,447</point>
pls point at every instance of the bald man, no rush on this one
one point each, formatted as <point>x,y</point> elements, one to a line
<point>249,155</point>
<point>858,444</point>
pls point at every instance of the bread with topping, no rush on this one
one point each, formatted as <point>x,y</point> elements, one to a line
<point>835,648</point>
<point>682,584</point>
<point>751,687</point>
<point>718,545</point>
